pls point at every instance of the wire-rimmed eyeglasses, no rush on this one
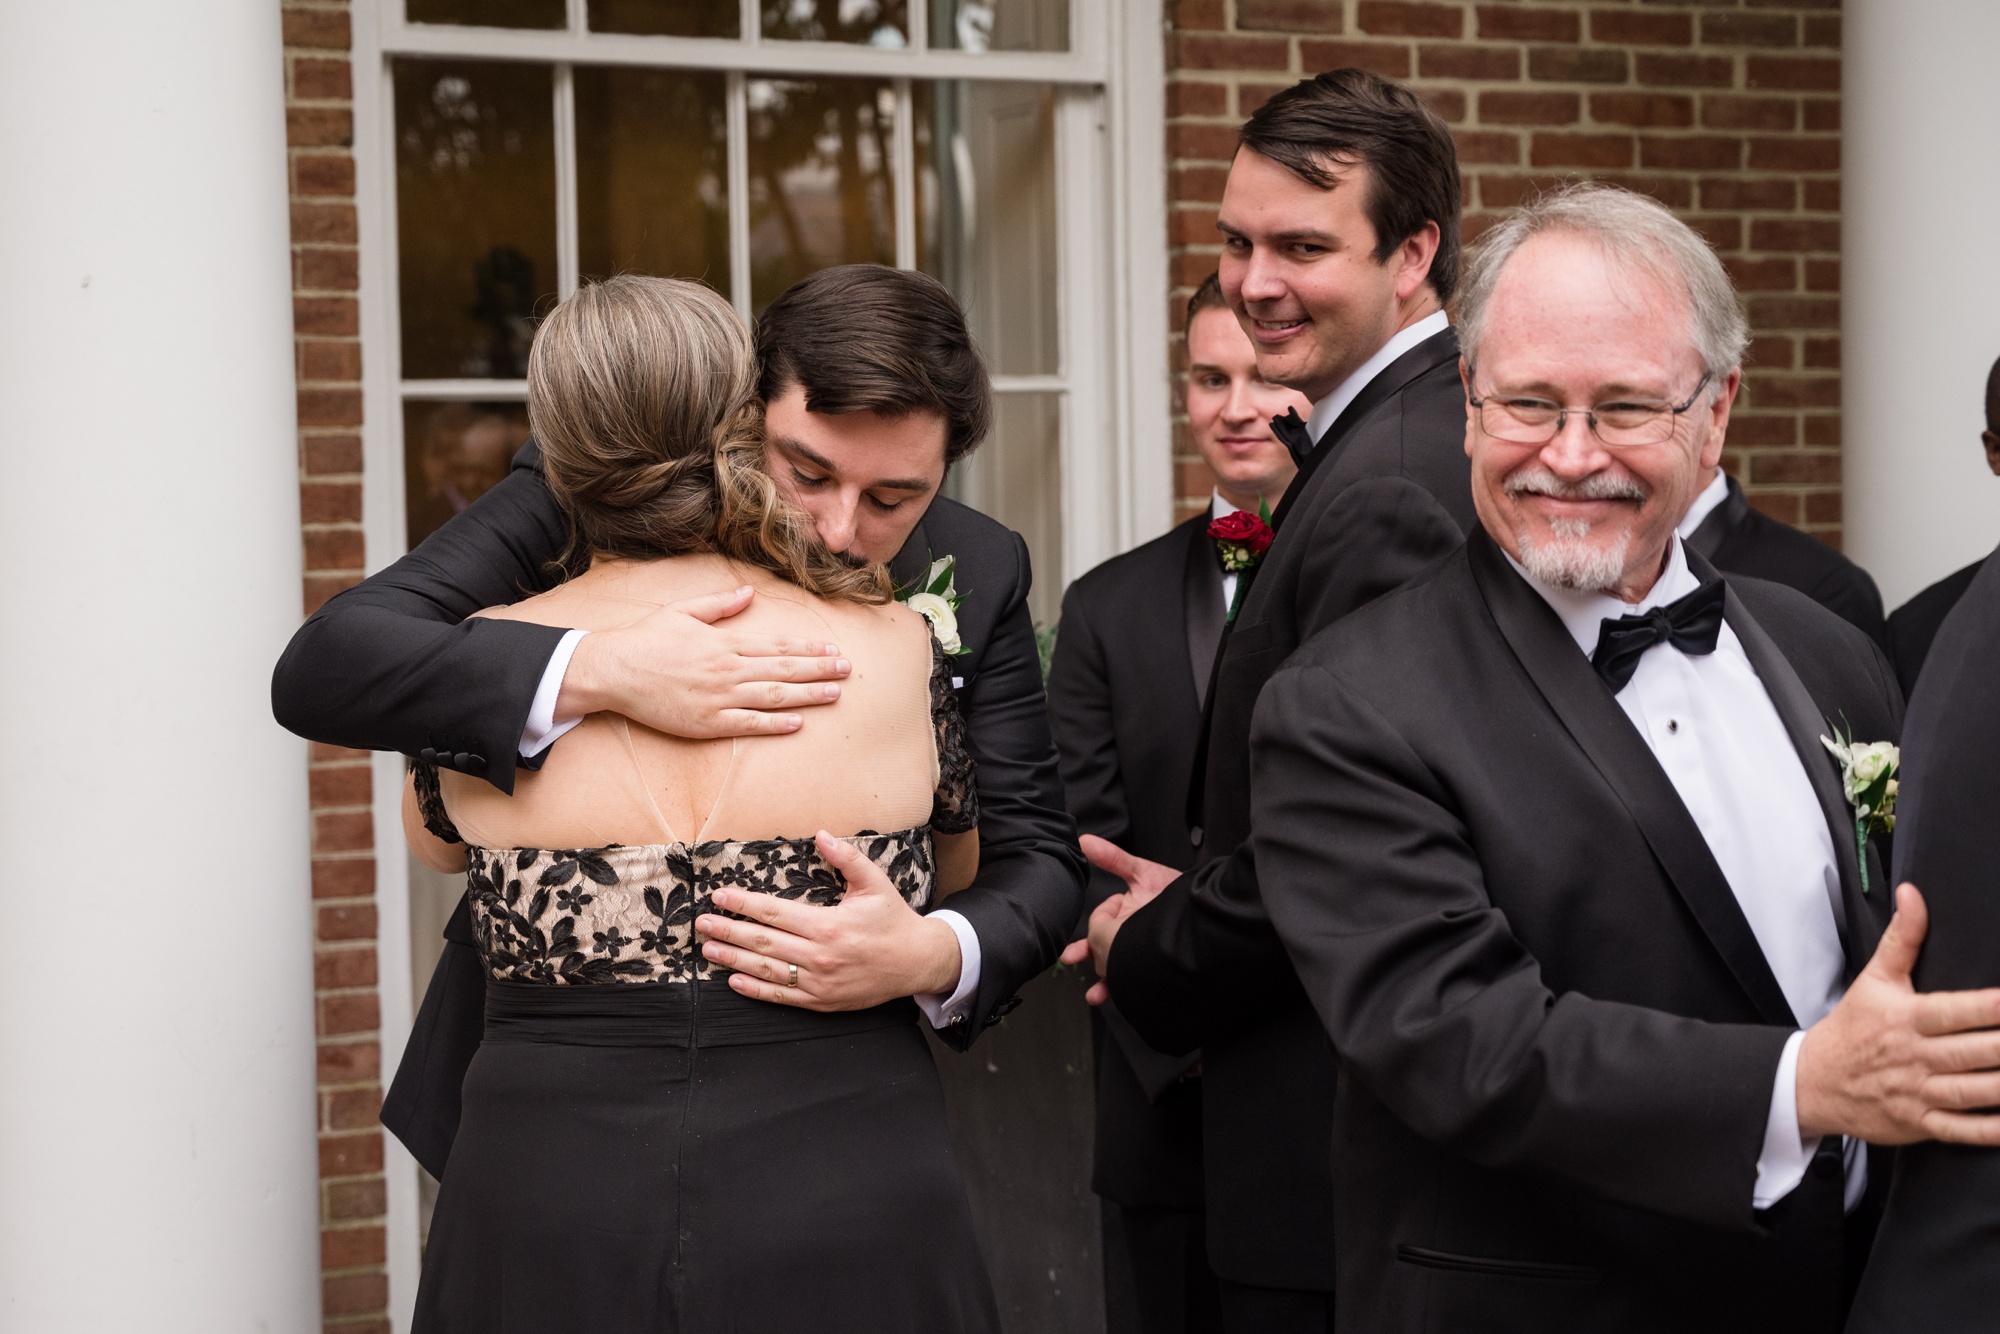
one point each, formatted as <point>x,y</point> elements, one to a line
<point>1526,420</point>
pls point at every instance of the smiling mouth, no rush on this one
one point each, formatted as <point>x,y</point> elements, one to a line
<point>1278,328</point>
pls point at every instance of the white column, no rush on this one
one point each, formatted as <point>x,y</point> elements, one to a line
<point>1921,284</point>
<point>157,1162</point>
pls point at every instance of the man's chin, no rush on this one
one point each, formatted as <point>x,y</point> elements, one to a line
<point>1582,562</point>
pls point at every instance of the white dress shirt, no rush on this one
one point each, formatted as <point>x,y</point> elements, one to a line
<point>1327,411</point>
<point>1217,507</point>
<point>1704,505</point>
<point>1710,723</point>
<point>941,1008</point>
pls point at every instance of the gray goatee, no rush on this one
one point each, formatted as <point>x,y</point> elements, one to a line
<point>1568,559</point>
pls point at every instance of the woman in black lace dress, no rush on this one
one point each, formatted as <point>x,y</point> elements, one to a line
<point>642,1147</point>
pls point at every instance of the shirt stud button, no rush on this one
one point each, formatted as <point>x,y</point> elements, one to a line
<point>1673,725</point>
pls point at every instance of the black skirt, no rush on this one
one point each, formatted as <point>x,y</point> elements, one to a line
<point>675,1157</point>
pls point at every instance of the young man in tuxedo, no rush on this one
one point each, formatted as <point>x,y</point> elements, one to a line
<point>1736,539</point>
<point>1340,247</point>
<point>1567,871</point>
<point>1138,641</point>
<point>872,389</point>
<point>1916,622</point>
<point>1936,1262</point>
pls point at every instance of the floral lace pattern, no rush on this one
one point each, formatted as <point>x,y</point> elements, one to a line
<point>567,916</point>
<point>626,914</point>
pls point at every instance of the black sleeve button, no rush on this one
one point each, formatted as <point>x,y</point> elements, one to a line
<point>428,755</point>
<point>472,764</point>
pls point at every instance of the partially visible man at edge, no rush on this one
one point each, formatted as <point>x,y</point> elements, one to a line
<point>1916,623</point>
<point>1340,249</point>
<point>873,389</point>
<point>1131,666</point>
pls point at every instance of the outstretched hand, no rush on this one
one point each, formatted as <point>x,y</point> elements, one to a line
<point>870,948</point>
<point>1892,1065</point>
<point>1143,882</point>
<point>683,671</point>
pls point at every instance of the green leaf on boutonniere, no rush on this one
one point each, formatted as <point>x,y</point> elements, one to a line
<point>1868,780</point>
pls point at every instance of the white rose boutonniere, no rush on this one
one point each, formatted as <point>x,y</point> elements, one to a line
<point>1868,777</point>
<point>936,599</point>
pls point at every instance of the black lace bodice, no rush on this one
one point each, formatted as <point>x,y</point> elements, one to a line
<point>626,914</point>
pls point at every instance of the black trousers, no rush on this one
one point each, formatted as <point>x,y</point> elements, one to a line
<point>1157,1278</point>
<point>1253,1310</point>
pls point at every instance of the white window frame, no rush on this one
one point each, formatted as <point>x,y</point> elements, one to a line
<point>1112,377</point>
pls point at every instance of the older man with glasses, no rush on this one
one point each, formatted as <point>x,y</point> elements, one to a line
<point>1553,838</point>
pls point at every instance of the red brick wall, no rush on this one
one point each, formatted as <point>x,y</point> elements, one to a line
<point>326,325</point>
<point>1727,112</point>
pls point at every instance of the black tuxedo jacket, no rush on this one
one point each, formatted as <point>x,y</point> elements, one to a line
<point>1737,539</point>
<point>1557,1033</point>
<point>1936,1262</point>
<point>1914,626</point>
<point>1384,494</point>
<point>1138,639</point>
<point>394,664</point>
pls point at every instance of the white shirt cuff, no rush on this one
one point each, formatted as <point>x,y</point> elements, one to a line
<point>1782,1164</point>
<point>543,726</point>
<point>942,1009</point>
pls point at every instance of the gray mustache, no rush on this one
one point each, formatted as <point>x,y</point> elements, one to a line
<point>1598,486</point>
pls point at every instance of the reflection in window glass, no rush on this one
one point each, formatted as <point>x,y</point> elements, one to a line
<point>820,187</point>
<point>986,214</point>
<point>454,453</point>
<point>999,25</point>
<point>1016,478</point>
<point>652,174</point>
<point>476,214</point>
<point>668,18</point>
<point>489,13</point>
<point>867,22</point>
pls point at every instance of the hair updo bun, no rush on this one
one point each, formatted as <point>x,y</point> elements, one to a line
<point>642,394</point>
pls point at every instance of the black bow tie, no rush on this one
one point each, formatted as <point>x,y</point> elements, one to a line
<point>1294,435</point>
<point>1690,624</point>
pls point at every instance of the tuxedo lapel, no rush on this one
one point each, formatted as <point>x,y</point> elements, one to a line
<point>1201,599</point>
<point>1392,380</point>
<point>1591,715</point>
<point>1805,722</point>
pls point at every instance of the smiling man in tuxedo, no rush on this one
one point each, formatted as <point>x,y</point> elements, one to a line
<point>1340,247</point>
<point>872,388</point>
<point>1554,842</point>
<point>1138,642</point>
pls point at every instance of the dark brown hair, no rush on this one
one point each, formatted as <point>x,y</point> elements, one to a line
<point>1993,398</point>
<point>867,338</point>
<point>1350,116</point>
<point>641,391</point>
<point>1208,296</point>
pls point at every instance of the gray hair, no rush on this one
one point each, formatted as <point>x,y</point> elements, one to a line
<point>1633,229</point>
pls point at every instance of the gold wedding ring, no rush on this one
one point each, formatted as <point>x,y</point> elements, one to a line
<point>794,979</point>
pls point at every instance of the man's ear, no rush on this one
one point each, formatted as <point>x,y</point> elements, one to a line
<point>1991,439</point>
<point>1413,259</point>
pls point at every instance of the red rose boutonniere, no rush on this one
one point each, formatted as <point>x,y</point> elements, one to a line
<point>1242,538</point>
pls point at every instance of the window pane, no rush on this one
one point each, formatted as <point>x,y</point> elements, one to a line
<point>489,13</point>
<point>652,174</point>
<point>1016,478</point>
<point>1000,25</point>
<point>476,214</point>
<point>454,453</point>
<point>668,18</point>
<point>820,187</point>
<point>986,214</point>
<point>870,22</point>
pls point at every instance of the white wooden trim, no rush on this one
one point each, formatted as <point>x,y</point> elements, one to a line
<point>810,59</point>
<point>736,113</point>
<point>1136,109</point>
<point>1030,384</point>
<point>485,391</point>
<point>564,117</point>
<point>1083,246</point>
<point>903,170</point>
<point>384,536</point>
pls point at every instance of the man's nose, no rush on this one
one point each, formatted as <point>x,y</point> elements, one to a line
<point>836,523</point>
<point>1575,451</point>
<point>1262,280</point>
<point>1241,405</point>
